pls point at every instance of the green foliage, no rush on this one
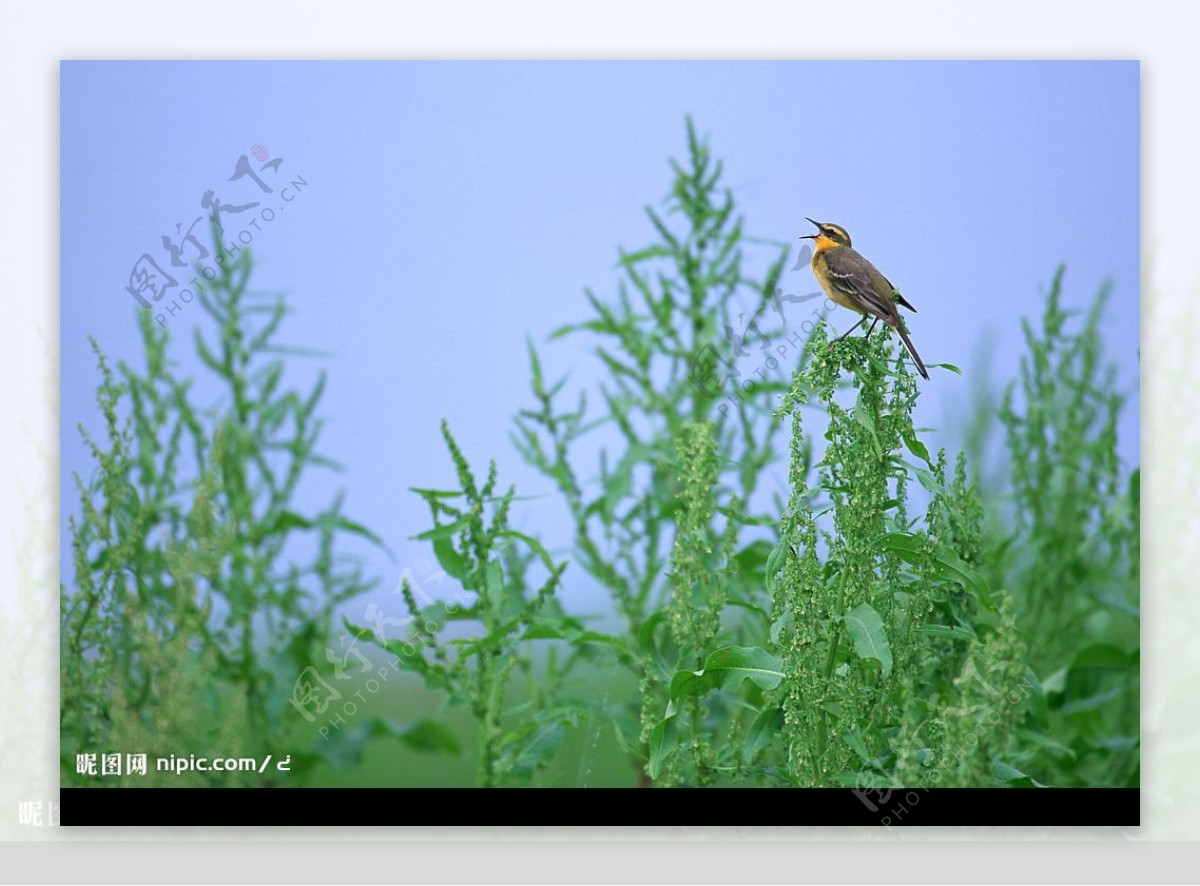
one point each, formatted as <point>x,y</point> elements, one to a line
<point>872,608</point>
<point>474,544</point>
<point>967,736</point>
<point>697,591</point>
<point>690,446</point>
<point>1073,553</point>
<point>893,659</point>
<point>190,614</point>
<point>892,623</point>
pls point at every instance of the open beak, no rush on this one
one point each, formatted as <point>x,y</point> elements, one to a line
<point>811,236</point>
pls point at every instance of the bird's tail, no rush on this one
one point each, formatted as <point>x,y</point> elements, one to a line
<point>911,350</point>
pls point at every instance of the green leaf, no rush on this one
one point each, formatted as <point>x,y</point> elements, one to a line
<point>533,744</point>
<point>646,631</point>
<point>410,659</point>
<point>534,545</point>
<point>870,638</point>
<point>780,625</point>
<point>764,728</point>
<point>543,630</point>
<point>535,368</point>
<point>596,326</point>
<point>630,748</point>
<point>1091,702</point>
<point>752,608</point>
<point>445,530</point>
<point>1045,741</point>
<point>1056,683</point>
<point>425,735</point>
<point>287,520</point>
<point>945,563</point>
<point>1013,777</point>
<point>931,483</point>
<point>854,741</point>
<point>1103,656</point>
<point>948,632</point>
<point>949,366</point>
<point>616,644</point>
<point>632,258</point>
<point>354,528</point>
<point>862,415</point>
<point>729,664</point>
<point>428,494</point>
<point>663,739</point>
<point>778,555</point>
<point>753,558</point>
<point>449,558</point>
<point>775,561</point>
<point>878,365</point>
<point>914,445</point>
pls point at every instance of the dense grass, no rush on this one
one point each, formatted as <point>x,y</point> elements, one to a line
<point>902,617</point>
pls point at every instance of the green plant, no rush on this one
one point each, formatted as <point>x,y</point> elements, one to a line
<point>474,544</point>
<point>670,342</point>
<point>1072,552</point>
<point>872,611</point>
<point>191,614</point>
<point>884,642</point>
<point>894,622</point>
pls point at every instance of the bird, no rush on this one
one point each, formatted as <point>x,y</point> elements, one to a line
<point>855,283</point>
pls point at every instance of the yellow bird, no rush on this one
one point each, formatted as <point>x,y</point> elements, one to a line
<point>855,283</point>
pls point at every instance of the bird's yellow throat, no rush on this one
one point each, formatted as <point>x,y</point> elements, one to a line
<point>821,243</point>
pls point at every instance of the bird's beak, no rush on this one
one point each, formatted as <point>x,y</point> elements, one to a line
<point>817,223</point>
<point>811,236</point>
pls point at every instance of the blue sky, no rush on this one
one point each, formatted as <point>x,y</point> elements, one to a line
<point>451,209</point>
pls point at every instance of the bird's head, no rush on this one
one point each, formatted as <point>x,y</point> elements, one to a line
<point>828,235</point>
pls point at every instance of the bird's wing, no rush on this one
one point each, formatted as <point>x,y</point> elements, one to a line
<point>856,278</point>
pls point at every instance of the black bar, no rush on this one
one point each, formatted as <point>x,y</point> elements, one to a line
<point>248,807</point>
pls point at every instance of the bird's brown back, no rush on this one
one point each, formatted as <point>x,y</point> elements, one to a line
<point>847,264</point>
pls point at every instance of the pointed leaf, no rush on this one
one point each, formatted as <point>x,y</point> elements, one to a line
<point>450,559</point>
<point>949,366</point>
<point>729,664</point>
<point>869,635</point>
<point>762,730</point>
<point>424,735</point>
<point>662,744</point>
<point>445,530</point>
<point>946,564</point>
<point>948,632</point>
